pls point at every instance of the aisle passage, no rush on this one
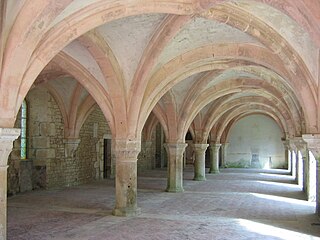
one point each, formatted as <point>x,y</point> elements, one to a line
<point>235,204</point>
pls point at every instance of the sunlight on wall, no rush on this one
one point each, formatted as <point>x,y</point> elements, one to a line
<point>255,142</point>
<point>272,231</point>
<point>312,178</point>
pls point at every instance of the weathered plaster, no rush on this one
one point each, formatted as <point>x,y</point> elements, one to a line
<point>82,55</point>
<point>287,28</point>
<point>128,38</point>
<point>255,134</point>
<point>200,32</point>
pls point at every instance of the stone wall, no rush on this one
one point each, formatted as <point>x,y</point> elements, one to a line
<point>255,141</point>
<point>47,165</point>
<point>88,155</point>
<point>161,157</point>
<point>147,156</point>
<point>46,135</point>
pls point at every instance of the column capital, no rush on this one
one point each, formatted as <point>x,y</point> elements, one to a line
<point>7,136</point>
<point>126,150</point>
<point>200,146</point>
<point>286,143</point>
<point>292,144</point>
<point>225,144</point>
<point>215,145</point>
<point>175,146</point>
<point>300,144</point>
<point>9,133</point>
<point>70,146</point>
<point>313,143</point>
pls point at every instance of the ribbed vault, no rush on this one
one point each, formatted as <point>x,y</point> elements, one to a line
<point>129,76</point>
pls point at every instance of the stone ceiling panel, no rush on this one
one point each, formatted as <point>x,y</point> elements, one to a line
<point>65,86</point>
<point>230,74</point>
<point>83,95</point>
<point>82,55</point>
<point>128,38</point>
<point>181,89</point>
<point>199,32</point>
<point>287,28</point>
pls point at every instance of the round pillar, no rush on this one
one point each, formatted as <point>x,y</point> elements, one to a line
<point>175,166</point>
<point>126,153</point>
<point>200,162</point>
<point>214,158</point>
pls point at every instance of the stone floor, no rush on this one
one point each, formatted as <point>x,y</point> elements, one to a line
<point>235,204</point>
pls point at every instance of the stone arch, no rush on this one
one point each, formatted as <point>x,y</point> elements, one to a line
<point>63,32</point>
<point>167,76</point>
<point>102,98</point>
<point>150,126</point>
<point>285,124</point>
<point>246,109</point>
<point>235,86</point>
<point>224,136</point>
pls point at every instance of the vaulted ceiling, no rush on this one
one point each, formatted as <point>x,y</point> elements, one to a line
<point>195,65</point>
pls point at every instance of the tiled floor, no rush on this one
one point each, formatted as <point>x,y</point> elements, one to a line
<point>235,204</point>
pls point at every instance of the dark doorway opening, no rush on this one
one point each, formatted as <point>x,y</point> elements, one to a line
<point>107,159</point>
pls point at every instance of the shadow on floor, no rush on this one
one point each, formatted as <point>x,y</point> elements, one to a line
<point>235,204</point>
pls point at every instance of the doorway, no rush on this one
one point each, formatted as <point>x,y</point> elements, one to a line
<point>107,158</point>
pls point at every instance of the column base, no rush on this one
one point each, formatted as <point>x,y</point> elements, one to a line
<point>174,190</point>
<point>214,171</point>
<point>126,212</point>
<point>200,178</point>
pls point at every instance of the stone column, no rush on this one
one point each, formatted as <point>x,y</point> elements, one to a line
<point>305,159</point>
<point>150,155</point>
<point>214,157</point>
<point>293,154</point>
<point>294,159</point>
<point>302,149</point>
<point>224,147</point>
<point>175,166</point>
<point>7,136</point>
<point>302,146</point>
<point>126,154</point>
<point>200,162</point>
<point>313,143</point>
<point>298,165</point>
<point>287,153</point>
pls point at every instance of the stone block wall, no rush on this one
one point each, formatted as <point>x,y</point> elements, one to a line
<point>147,156</point>
<point>45,139</point>
<point>47,166</point>
<point>88,155</point>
